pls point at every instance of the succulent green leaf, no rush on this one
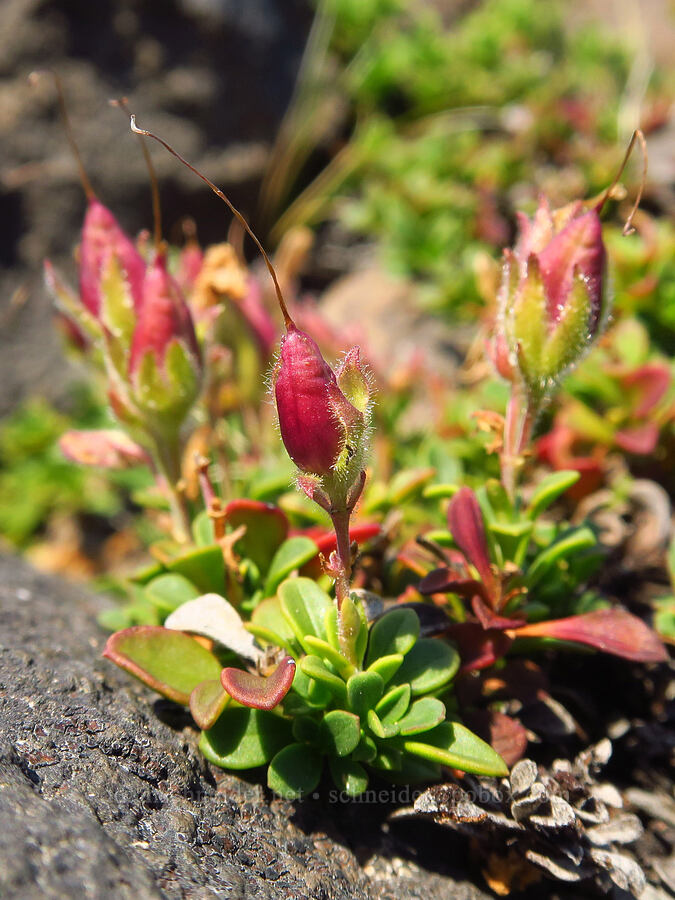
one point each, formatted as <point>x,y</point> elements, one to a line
<point>295,771</point>
<point>304,606</point>
<point>348,775</point>
<point>386,666</point>
<point>204,567</point>
<point>167,592</point>
<point>243,738</point>
<point>425,714</point>
<point>316,668</point>
<point>569,543</point>
<point>314,692</point>
<point>378,728</point>
<point>394,703</point>
<point>364,689</point>
<point>388,760</point>
<point>170,662</point>
<point>440,491</point>
<point>266,530</point>
<point>207,702</point>
<point>395,632</point>
<point>328,653</point>
<point>292,555</point>
<point>305,729</point>
<point>269,616</point>
<point>549,489</point>
<point>414,770</point>
<point>407,484</point>
<point>366,751</point>
<point>354,630</point>
<point>340,732</point>
<point>451,744</point>
<point>202,529</point>
<point>430,665</point>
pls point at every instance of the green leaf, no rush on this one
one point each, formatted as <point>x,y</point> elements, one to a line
<point>340,732</point>
<point>315,668</point>
<point>569,543</point>
<point>207,702</point>
<point>386,666</point>
<point>366,750</point>
<point>394,703</point>
<point>292,555</point>
<point>266,530</point>
<point>354,629</point>
<point>348,775</point>
<point>170,662</point>
<point>413,770</point>
<point>395,632</point>
<point>304,606</point>
<point>202,529</point>
<point>549,489</point>
<point>327,652</point>
<point>243,738</point>
<point>204,567</point>
<point>364,689</point>
<point>440,491</point>
<point>425,714</point>
<point>407,484</point>
<point>295,771</point>
<point>430,665</point>
<point>305,729</point>
<point>378,728</point>
<point>168,592</point>
<point>268,615</point>
<point>451,744</point>
<point>314,692</point>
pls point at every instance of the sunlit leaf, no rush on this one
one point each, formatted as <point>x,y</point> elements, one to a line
<point>170,662</point>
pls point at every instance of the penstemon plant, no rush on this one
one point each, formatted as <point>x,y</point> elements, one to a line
<point>309,678</point>
<point>259,630</point>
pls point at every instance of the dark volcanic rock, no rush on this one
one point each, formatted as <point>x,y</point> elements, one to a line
<point>103,793</point>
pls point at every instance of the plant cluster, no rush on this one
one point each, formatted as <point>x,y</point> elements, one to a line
<point>290,649</point>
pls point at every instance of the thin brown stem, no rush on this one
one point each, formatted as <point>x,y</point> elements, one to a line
<point>63,110</point>
<point>288,321</point>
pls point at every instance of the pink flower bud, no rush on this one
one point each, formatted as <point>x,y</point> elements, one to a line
<point>553,294</point>
<point>102,237</point>
<point>314,414</point>
<point>163,317</point>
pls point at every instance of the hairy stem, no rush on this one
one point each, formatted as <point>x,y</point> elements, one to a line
<point>167,457</point>
<point>521,415</point>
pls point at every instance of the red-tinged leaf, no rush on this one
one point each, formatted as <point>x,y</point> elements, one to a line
<point>255,690</point>
<point>641,439</point>
<point>612,630</point>
<point>477,647</point>
<point>489,620</point>
<point>106,448</point>
<point>170,662</point>
<point>465,521</point>
<point>207,702</point>
<point>505,735</point>
<point>447,580</point>
<point>266,529</point>
<point>650,383</point>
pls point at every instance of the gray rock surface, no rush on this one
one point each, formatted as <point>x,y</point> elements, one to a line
<point>103,793</point>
